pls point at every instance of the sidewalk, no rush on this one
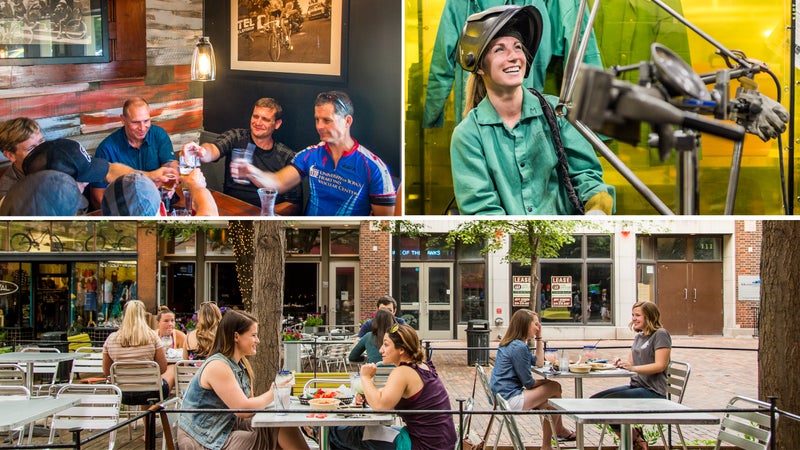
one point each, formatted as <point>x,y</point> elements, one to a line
<point>717,375</point>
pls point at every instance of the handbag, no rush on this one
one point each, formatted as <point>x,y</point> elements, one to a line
<point>471,440</point>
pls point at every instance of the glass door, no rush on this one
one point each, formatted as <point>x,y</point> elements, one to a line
<point>426,298</point>
<point>344,294</point>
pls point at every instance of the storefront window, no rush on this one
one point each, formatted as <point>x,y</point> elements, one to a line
<point>470,251</point>
<point>115,284</point>
<point>598,246</point>
<point>303,241</point>
<point>33,237</point>
<point>112,237</point>
<point>707,249</point>
<point>186,245</point>
<point>428,248</point>
<point>671,248</point>
<point>571,250</point>
<point>644,247</point>
<point>472,282</point>
<point>15,299</point>
<point>561,296</point>
<point>344,242</point>
<point>409,248</point>
<point>646,283</point>
<point>217,242</point>
<point>598,296</point>
<point>223,285</point>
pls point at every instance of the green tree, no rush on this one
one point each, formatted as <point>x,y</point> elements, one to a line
<point>529,241</point>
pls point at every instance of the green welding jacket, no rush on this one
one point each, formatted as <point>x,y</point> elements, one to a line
<point>559,18</point>
<point>503,171</point>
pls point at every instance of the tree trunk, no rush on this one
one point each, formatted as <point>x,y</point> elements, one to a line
<point>268,273</point>
<point>779,341</point>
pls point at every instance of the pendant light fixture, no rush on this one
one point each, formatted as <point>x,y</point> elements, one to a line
<point>204,67</point>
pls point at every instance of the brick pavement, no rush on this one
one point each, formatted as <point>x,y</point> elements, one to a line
<point>717,375</point>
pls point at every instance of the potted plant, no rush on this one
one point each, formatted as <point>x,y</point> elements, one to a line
<point>312,322</point>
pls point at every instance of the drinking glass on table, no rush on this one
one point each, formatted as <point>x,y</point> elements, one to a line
<point>589,352</point>
<point>239,155</point>
<point>551,356</point>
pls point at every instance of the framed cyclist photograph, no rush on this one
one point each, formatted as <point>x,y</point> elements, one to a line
<point>301,38</point>
<point>53,32</point>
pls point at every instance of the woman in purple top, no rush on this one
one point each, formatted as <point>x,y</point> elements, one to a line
<point>413,385</point>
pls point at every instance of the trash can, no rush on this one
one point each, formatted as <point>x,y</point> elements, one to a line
<point>478,336</point>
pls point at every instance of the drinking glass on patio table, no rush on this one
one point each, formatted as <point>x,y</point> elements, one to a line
<point>551,356</point>
<point>589,352</point>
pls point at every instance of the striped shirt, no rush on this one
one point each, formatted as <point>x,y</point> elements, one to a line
<point>117,352</point>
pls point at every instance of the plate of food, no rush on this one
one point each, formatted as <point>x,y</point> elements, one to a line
<point>580,368</point>
<point>307,396</point>
<point>602,366</point>
<point>324,403</point>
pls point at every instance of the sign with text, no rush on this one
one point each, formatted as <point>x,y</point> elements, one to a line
<point>521,291</point>
<point>561,291</point>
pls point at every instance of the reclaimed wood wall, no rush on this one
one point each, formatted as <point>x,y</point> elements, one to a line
<point>79,102</point>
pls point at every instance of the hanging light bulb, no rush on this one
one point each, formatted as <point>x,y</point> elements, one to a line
<point>204,67</point>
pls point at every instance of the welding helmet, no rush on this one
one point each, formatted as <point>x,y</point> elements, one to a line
<point>523,22</point>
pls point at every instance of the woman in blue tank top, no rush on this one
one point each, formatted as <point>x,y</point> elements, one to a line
<point>412,385</point>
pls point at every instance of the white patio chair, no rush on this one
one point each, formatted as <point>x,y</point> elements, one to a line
<point>335,355</point>
<point>88,369</point>
<point>12,375</point>
<point>511,422</point>
<point>98,409</point>
<point>745,430</point>
<point>47,371</point>
<point>135,377</point>
<point>185,370</point>
<point>16,392</point>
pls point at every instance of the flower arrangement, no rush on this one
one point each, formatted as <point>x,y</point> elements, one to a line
<point>366,316</point>
<point>191,323</point>
<point>313,320</point>
<point>290,334</point>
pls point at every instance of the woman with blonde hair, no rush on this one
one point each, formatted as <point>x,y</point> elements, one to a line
<point>136,341</point>
<point>649,358</point>
<point>512,378</point>
<point>199,341</point>
<point>225,382</point>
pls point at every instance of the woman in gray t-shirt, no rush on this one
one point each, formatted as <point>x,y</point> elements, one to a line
<point>649,359</point>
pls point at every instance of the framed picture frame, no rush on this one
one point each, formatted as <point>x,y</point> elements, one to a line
<point>304,39</point>
<point>53,32</point>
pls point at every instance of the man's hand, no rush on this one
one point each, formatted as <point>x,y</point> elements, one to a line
<point>163,177</point>
<point>766,119</point>
<point>194,180</point>
<point>192,148</point>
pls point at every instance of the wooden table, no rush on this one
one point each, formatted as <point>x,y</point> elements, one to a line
<point>322,419</point>
<point>628,411</point>
<point>30,358</point>
<point>232,206</point>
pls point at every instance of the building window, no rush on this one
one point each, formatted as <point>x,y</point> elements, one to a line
<point>472,285</point>
<point>707,249</point>
<point>575,287</point>
<point>671,248</point>
<point>303,241</point>
<point>344,242</point>
<point>217,242</point>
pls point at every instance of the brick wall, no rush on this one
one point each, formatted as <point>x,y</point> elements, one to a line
<point>375,258</point>
<point>88,111</point>
<point>748,262</point>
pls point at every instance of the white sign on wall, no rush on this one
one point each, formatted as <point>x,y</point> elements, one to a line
<point>561,291</point>
<point>749,287</point>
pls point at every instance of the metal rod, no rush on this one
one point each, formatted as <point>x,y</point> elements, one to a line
<point>687,181</point>
<point>792,89</point>
<point>733,178</point>
<point>702,34</point>
<point>577,50</point>
<point>623,170</point>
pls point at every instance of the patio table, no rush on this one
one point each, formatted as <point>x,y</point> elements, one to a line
<point>18,413</point>
<point>30,358</point>
<point>548,372</point>
<point>323,419</point>
<point>633,411</point>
